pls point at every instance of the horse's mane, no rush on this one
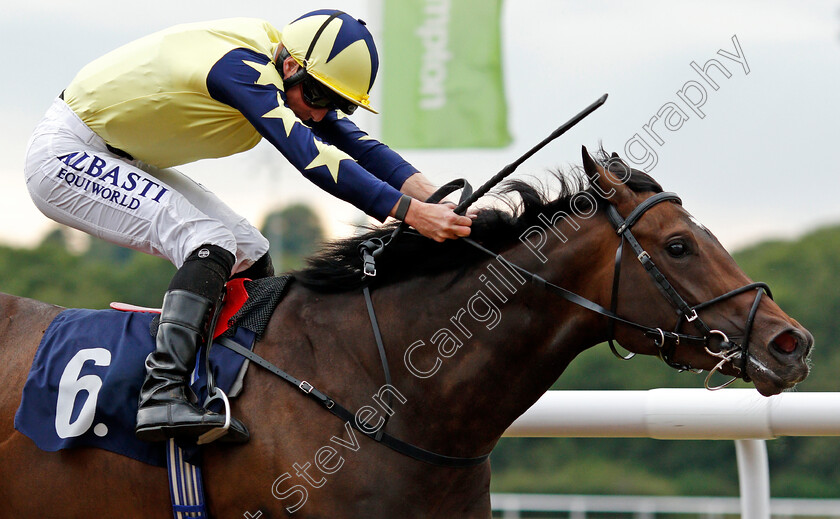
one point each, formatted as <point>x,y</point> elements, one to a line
<point>338,266</point>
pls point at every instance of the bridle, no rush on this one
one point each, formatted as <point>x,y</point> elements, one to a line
<point>728,351</point>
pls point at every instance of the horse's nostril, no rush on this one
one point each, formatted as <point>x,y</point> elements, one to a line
<point>785,342</point>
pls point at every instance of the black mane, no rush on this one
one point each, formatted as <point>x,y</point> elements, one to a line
<point>338,266</point>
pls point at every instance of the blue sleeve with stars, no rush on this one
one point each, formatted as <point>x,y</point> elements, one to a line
<point>374,156</point>
<point>248,81</point>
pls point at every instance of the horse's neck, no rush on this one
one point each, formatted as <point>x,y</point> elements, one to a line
<point>485,348</point>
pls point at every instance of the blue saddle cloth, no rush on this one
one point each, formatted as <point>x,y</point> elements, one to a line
<point>82,390</point>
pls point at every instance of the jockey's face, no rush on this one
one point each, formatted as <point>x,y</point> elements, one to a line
<point>294,97</point>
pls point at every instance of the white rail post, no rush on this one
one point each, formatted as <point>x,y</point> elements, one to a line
<point>753,478</point>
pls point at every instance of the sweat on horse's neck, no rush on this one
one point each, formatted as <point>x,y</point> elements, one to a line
<point>469,362</point>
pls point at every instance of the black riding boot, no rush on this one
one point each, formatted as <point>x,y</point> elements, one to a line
<point>165,409</point>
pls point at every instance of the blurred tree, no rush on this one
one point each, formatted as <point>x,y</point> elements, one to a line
<point>104,251</point>
<point>56,238</point>
<point>294,232</point>
<point>104,273</point>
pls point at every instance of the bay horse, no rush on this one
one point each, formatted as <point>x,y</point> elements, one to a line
<point>472,342</point>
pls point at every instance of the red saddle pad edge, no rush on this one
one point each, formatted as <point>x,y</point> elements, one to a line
<point>235,297</point>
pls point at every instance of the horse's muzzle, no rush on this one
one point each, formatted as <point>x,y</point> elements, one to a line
<point>784,362</point>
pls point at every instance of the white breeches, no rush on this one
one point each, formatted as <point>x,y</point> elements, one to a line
<point>75,180</point>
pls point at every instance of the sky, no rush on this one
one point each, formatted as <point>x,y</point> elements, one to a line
<point>753,162</point>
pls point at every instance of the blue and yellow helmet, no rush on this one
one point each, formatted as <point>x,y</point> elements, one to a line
<point>337,50</point>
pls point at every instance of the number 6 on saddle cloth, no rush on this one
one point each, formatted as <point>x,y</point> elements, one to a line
<point>82,388</point>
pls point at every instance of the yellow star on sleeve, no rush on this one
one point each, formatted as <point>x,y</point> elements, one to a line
<point>284,113</point>
<point>365,138</point>
<point>268,74</point>
<point>328,156</point>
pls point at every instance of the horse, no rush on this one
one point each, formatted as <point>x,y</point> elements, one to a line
<point>474,339</point>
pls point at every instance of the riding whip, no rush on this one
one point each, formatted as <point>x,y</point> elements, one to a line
<point>371,249</point>
<point>510,168</point>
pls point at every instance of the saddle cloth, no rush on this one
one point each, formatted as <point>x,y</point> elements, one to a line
<point>83,387</point>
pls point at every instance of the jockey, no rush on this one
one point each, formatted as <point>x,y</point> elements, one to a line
<point>102,159</point>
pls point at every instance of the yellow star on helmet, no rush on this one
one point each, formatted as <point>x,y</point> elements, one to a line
<point>284,113</point>
<point>328,156</point>
<point>268,74</point>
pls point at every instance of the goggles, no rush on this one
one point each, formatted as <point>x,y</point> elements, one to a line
<point>317,95</point>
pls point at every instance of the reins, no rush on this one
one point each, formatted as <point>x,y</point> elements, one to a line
<point>370,250</point>
<point>666,341</point>
<point>728,352</point>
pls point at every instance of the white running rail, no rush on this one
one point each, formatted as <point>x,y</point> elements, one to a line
<point>511,506</point>
<point>742,415</point>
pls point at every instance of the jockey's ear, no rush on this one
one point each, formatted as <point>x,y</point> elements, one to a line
<point>608,182</point>
<point>290,66</point>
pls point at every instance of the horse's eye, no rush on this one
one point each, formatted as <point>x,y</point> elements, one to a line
<point>677,249</point>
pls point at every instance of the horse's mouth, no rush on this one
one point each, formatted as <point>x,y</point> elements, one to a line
<point>769,382</point>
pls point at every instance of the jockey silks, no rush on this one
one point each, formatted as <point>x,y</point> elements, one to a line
<point>211,89</point>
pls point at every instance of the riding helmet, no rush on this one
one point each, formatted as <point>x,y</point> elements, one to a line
<point>337,50</point>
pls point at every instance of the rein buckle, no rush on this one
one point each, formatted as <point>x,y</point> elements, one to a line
<point>370,268</point>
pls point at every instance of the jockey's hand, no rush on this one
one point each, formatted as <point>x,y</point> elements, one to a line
<point>472,211</point>
<point>437,221</point>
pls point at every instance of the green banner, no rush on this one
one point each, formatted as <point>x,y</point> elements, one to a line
<point>442,74</point>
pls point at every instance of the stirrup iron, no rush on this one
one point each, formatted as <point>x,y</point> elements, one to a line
<point>214,434</point>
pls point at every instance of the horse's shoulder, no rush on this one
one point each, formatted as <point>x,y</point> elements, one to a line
<point>304,306</point>
<point>311,330</point>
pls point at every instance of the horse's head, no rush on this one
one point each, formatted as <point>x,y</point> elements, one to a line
<point>675,278</point>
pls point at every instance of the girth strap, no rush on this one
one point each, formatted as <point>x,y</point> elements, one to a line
<point>348,417</point>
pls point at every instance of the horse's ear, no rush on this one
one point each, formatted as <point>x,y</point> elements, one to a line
<point>606,183</point>
<point>590,167</point>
